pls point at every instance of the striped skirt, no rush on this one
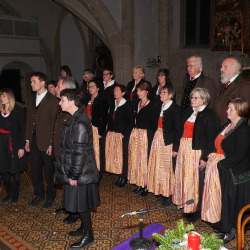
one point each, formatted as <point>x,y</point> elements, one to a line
<point>160,167</point>
<point>138,157</point>
<point>96,146</point>
<point>186,184</point>
<point>114,153</point>
<point>211,199</point>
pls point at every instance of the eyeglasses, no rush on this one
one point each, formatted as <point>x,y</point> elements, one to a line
<point>85,75</point>
<point>194,98</point>
<point>92,86</point>
<point>191,66</point>
<point>163,92</point>
<point>158,75</point>
<point>106,74</point>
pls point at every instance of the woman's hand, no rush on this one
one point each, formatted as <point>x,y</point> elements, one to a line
<point>174,154</point>
<point>202,164</point>
<point>99,136</point>
<point>20,153</point>
<point>27,146</point>
<point>72,182</point>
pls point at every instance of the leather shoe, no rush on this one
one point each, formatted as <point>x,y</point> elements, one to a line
<point>48,203</point>
<point>137,190</point>
<point>36,201</point>
<point>144,193</point>
<point>122,183</point>
<point>194,217</point>
<point>86,240</point>
<point>61,211</point>
<point>70,219</point>
<point>229,236</point>
<point>77,233</point>
<point>160,200</point>
<point>118,182</point>
<point>167,201</point>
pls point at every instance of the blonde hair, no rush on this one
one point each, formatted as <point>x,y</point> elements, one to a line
<point>204,94</point>
<point>141,70</point>
<point>9,93</point>
<point>240,104</point>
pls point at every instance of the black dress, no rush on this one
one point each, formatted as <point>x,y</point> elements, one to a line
<point>15,124</point>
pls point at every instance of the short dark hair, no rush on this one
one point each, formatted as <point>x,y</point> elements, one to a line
<point>241,105</point>
<point>170,89</point>
<point>111,73</point>
<point>67,70</point>
<point>52,82</point>
<point>96,82</point>
<point>123,89</point>
<point>73,95</point>
<point>166,73</point>
<point>142,85</point>
<point>41,76</point>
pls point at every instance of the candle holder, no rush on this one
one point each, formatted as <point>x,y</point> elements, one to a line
<point>241,58</point>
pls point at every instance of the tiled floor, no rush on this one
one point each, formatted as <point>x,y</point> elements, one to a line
<point>43,229</point>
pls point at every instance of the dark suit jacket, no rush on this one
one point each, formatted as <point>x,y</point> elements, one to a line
<point>236,147</point>
<point>17,132</point>
<point>239,88</point>
<point>171,125</point>
<point>44,120</point>
<point>135,98</point>
<point>206,128</point>
<point>203,82</point>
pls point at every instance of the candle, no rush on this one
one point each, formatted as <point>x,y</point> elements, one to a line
<point>159,58</point>
<point>230,49</point>
<point>194,241</point>
<point>242,48</point>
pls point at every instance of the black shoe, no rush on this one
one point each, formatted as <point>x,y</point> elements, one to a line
<point>194,216</point>
<point>144,193</point>
<point>118,182</point>
<point>167,201</point>
<point>219,234</point>
<point>36,201</point>
<point>61,211</point>
<point>76,234</point>
<point>160,200</point>
<point>137,190</point>
<point>122,183</point>
<point>229,236</point>
<point>48,203</point>
<point>15,196</point>
<point>70,219</point>
<point>9,189</point>
<point>86,240</point>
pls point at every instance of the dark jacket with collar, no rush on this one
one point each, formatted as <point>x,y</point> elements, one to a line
<point>171,125</point>
<point>203,82</point>
<point>76,154</point>
<point>236,146</point>
<point>99,112</point>
<point>206,128</point>
<point>238,88</point>
<point>135,99</point>
<point>124,118</point>
<point>44,120</point>
<point>108,93</point>
<point>16,121</point>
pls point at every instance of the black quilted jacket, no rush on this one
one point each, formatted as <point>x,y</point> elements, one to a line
<point>76,158</point>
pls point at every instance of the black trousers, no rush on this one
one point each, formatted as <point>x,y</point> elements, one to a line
<point>38,157</point>
<point>125,142</point>
<point>86,220</point>
<point>201,186</point>
<point>102,152</point>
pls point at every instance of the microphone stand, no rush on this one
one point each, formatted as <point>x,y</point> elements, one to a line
<point>140,243</point>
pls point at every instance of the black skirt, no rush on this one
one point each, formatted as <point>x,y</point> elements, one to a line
<point>80,198</point>
<point>234,198</point>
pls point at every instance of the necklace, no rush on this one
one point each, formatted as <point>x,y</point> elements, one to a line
<point>142,105</point>
<point>5,112</point>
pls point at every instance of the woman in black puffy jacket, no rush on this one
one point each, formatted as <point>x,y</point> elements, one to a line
<point>76,166</point>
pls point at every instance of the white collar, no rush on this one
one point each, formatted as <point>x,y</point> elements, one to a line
<point>201,109</point>
<point>196,76</point>
<point>40,97</point>
<point>233,78</point>
<point>123,101</point>
<point>165,107</point>
<point>109,84</point>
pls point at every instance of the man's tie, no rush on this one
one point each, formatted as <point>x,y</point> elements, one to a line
<point>192,78</point>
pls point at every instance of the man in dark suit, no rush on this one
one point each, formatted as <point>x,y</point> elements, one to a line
<point>41,111</point>
<point>231,85</point>
<point>194,80</point>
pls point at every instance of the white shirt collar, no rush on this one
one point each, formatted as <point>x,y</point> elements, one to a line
<point>233,78</point>
<point>40,97</point>
<point>196,76</point>
<point>165,107</point>
<point>109,84</point>
<point>123,101</point>
<point>201,109</point>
